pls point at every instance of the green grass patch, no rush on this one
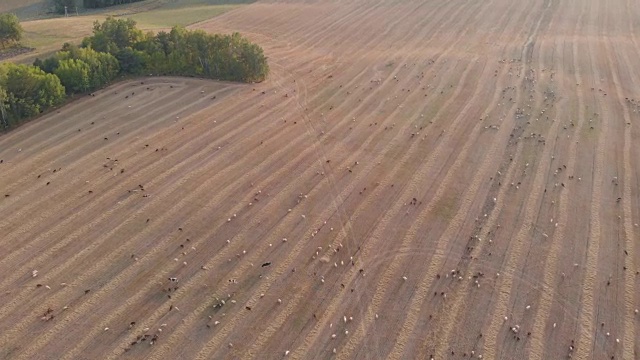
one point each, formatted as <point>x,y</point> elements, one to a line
<point>183,16</point>
<point>446,207</point>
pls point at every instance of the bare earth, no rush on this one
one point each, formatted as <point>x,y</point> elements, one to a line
<point>417,178</point>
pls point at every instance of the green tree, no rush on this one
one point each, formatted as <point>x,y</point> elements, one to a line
<point>113,34</point>
<point>72,48</point>
<point>49,65</point>
<point>179,52</point>
<point>59,6</point>
<point>254,63</point>
<point>103,67</point>
<point>39,64</point>
<point>131,61</point>
<point>4,117</point>
<point>163,42</point>
<point>10,29</point>
<point>104,3</point>
<point>29,90</point>
<point>74,75</point>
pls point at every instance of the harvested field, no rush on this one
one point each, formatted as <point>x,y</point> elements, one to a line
<point>418,178</point>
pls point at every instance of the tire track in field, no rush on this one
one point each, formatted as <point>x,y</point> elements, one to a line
<point>444,331</point>
<point>505,282</point>
<point>506,279</point>
<point>627,195</point>
<point>336,302</point>
<point>342,234</point>
<point>411,319</point>
<point>338,240</point>
<point>283,316</point>
<point>630,236</point>
<point>460,296</point>
<point>414,27</point>
<point>372,161</point>
<point>207,350</point>
<point>378,297</point>
<point>383,35</point>
<point>439,256</point>
<point>585,341</point>
<point>367,248</point>
<point>420,293</point>
<point>376,301</point>
<point>192,316</point>
<point>543,312</point>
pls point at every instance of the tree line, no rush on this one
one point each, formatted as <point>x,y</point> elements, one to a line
<point>117,48</point>
<point>92,4</point>
<point>59,5</point>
